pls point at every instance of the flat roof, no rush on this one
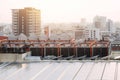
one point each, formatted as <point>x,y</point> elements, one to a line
<point>61,70</point>
<point>115,42</point>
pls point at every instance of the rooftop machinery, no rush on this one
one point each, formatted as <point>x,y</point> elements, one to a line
<point>57,48</point>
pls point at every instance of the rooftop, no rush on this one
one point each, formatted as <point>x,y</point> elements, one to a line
<point>61,70</point>
<point>115,42</point>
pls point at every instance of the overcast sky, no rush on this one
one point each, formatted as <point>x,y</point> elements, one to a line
<point>63,10</point>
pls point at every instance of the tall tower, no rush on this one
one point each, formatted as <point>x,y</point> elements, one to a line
<point>100,22</point>
<point>27,20</point>
<point>110,26</point>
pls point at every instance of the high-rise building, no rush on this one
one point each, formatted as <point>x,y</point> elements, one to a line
<point>27,20</point>
<point>99,22</point>
<point>110,26</point>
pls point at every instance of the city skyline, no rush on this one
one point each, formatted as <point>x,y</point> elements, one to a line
<point>54,11</point>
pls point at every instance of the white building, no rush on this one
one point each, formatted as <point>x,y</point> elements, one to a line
<point>110,26</point>
<point>92,33</point>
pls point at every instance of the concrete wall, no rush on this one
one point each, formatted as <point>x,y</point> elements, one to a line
<point>10,57</point>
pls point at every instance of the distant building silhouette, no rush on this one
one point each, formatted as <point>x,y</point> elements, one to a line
<point>47,31</point>
<point>100,22</point>
<point>110,26</point>
<point>27,20</point>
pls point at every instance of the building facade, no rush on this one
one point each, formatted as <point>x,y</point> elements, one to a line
<point>100,22</point>
<point>92,34</point>
<point>110,26</point>
<point>27,20</point>
<point>80,34</point>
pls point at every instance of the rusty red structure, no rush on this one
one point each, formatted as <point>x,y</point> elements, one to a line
<point>101,48</point>
<point>63,48</point>
<point>85,48</point>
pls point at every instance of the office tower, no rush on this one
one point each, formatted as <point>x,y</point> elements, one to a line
<point>110,26</point>
<point>100,22</point>
<point>27,20</point>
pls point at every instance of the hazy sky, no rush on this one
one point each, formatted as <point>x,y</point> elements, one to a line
<point>63,10</point>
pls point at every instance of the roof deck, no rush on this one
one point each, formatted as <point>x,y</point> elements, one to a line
<point>61,70</point>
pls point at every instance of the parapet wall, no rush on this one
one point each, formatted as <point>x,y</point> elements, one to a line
<point>11,57</point>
